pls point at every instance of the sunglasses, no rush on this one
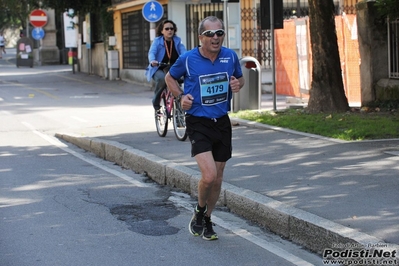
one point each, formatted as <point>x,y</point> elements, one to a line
<point>211,33</point>
<point>169,28</point>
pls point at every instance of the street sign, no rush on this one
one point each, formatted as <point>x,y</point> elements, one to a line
<point>38,18</point>
<point>71,30</point>
<point>152,11</point>
<point>37,33</point>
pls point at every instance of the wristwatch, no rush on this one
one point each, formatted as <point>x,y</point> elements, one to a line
<point>178,98</point>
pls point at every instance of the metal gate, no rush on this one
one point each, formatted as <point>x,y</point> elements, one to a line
<point>254,41</point>
<point>194,14</point>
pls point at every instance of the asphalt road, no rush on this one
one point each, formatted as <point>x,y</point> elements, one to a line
<point>60,205</point>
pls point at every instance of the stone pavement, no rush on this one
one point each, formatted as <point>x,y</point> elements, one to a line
<point>318,192</point>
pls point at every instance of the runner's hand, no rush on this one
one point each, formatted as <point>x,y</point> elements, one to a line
<point>234,84</point>
<point>186,101</point>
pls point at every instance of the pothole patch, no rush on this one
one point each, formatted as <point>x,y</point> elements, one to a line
<point>148,218</point>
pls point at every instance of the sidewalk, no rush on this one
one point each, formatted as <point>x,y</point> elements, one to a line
<point>315,191</point>
<point>8,66</point>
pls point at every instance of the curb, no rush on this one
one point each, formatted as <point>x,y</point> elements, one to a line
<point>303,228</point>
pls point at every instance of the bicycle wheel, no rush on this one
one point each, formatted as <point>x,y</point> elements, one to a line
<point>161,118</point>
<point>179,121</point>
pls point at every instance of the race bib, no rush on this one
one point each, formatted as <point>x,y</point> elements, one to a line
<point>214,88</point>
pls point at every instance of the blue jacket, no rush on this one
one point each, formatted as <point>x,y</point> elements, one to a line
<point>157,52</point>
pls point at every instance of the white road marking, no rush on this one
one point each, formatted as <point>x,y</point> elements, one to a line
<point>33,72</point>
<point>79,119</point>
<point>246,235</point>
<point>84,97</point>
<point>54,141</point>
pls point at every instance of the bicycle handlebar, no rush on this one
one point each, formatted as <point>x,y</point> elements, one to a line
<point>162,64</point>
<point>180,80</point>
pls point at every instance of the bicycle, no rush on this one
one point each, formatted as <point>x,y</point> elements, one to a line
<point>170,108</point>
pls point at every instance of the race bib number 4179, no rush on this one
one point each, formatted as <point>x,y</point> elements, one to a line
<point>214,88</point>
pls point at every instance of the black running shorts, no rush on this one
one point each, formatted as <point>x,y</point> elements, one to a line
<point>207,134</point>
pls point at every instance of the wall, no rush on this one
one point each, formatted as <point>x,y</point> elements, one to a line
<point>287,59</point>
<point>287,79</point>
<point>97,58</point>
<point>98,65</point>
<point>135,75</point>
<point>348,45</point>
<point>175,11</point>
<point>373,49</point>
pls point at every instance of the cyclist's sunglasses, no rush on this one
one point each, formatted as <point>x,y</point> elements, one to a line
<point>211,33</point>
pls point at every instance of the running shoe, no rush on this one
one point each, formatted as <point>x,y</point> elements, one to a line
<point>196,225</point>
<point>208,233</point>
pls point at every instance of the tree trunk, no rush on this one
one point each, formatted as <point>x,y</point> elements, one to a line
<point>327,90</point>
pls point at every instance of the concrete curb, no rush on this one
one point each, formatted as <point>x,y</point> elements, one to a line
<point>306,229</point>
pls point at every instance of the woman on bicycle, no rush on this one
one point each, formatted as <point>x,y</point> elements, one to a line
<point>165,48</point>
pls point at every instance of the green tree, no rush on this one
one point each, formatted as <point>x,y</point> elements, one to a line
<point>103,18</point>
<point>327,90</point>
<point>79,6</point>
<point>388,8</point>
<point>16,13</point>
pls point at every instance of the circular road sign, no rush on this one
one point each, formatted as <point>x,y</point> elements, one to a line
<point>38,18</point>
<point>152,11</point>
<point>38,33</point>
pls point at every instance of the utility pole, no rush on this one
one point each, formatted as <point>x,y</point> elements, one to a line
<point>273,54</point>
<point>226,22</point>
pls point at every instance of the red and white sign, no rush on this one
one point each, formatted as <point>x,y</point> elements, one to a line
<point>38,18</point>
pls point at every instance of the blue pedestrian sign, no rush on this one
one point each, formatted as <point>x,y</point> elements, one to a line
<point>152,11</point>
<point>37,33</point>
